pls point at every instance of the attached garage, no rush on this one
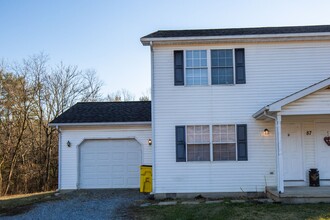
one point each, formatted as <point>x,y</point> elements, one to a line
<point>103,144</point>
<point>109,164</point>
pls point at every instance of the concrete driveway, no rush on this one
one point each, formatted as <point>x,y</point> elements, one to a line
<point>83,204</point>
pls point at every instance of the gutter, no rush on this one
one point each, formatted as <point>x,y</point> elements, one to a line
<point>260,112</point>
<point>297,36</point>
<point>99,123</point>
<point>59,185</point>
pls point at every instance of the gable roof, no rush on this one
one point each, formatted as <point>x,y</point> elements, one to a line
<point>277,105</point>
<point>227,32</point>
<point>84,113</point>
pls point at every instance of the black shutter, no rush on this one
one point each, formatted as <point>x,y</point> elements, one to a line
<point>240,66</point>
<point>180,138</point>
<point>242,151</point>
<point>178,68</point>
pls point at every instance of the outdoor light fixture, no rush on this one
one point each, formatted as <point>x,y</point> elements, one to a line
<point>68,144</point>
<point>149,141</point>
<point>266,132</point>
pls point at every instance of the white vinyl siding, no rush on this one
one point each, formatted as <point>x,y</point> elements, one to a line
<point>76,135</point>
<point>315,103</point>
<point>273,71</point>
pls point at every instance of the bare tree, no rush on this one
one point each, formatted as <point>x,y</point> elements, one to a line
<point>92,87</point>
<point>122,95</point>
<point>31,95</point>
<point>146,96</point>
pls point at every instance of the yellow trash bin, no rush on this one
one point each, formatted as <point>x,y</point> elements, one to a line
<point>146,178</point>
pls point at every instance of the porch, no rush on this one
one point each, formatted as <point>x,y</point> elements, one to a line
<point>300,194</point>
<point>302,142</point>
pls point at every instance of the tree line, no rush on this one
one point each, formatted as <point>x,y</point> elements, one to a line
<point>32,93</point>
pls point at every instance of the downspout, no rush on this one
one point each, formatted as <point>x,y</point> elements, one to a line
<point>153,120</point>
<point>59,185</point>
<point>279,158</point>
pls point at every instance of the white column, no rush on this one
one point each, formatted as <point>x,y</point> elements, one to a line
<point>279,162</point>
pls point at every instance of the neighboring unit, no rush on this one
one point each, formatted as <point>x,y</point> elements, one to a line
<point>237,110</point>
<point>103,144</point>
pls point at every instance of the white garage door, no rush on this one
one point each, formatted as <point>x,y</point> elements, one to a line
<point>110,164</point>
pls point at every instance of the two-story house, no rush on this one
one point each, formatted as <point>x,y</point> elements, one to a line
<point>233,110</point>
<point>236,110</point>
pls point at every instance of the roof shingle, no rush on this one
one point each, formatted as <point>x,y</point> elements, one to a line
<point>106,112</point>
<point>238,31</point>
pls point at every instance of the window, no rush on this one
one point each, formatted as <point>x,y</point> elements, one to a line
<point>228,142</point>
<point>224,142</point>
<point>198,143</point>
<point>222,67</point>
<point>227,67</point>
<point>196,67</point>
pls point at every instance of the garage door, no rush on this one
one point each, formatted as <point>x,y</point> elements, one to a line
<point>110,164</point>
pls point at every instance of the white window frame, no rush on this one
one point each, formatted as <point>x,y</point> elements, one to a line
<point>186,142</point>
<point>235,142</point>
<point>211,142</point>
<point>234,67</point>
<point>209,67</point>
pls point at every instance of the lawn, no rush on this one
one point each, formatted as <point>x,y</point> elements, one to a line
<point>15,204</point>
<point>235,211</point>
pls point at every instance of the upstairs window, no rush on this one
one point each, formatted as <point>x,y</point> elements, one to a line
<point>196,67</point>
<point>222,67</point>
<point>225,66</point>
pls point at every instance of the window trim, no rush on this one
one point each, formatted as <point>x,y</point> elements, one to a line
<point>186,142</point>
<point>209,67</point>
<point>185,67</point>
<point>234,67</point>
<point>211,143</point>
<point>236,150</point>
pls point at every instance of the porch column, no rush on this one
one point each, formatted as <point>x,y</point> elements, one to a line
<point>279,162</point>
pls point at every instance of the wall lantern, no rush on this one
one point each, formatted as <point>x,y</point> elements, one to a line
<point>68,144</point>
<point>266,132</point>
<point>149,142</point>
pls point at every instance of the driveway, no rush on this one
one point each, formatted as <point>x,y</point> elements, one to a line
<point>83,204</point>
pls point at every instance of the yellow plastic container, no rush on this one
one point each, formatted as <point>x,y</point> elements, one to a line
<point>146,178</point>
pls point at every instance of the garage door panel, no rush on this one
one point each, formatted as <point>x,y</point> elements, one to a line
<point>118,183</point>
<point>132,169</point>
<point>118,169</point>
<point>110,164</point>
<point>131,181</point>
<point>118,156</point>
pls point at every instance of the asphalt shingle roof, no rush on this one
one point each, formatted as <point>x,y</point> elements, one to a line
<point>102,112</point>
<point>238,31</point>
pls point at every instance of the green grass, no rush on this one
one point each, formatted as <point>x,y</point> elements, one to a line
<point>11,205</point>
<point>234,211</point>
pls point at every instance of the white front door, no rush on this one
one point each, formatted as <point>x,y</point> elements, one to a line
<point>323,150</point>
<point>292,152</point>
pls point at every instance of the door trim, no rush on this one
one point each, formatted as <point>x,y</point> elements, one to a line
<point>102,139</point>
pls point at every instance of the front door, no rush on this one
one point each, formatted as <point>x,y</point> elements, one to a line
<point>323,150</point>
<point>292,152</point>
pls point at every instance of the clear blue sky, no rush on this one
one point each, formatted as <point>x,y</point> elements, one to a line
<point>105,35</point>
